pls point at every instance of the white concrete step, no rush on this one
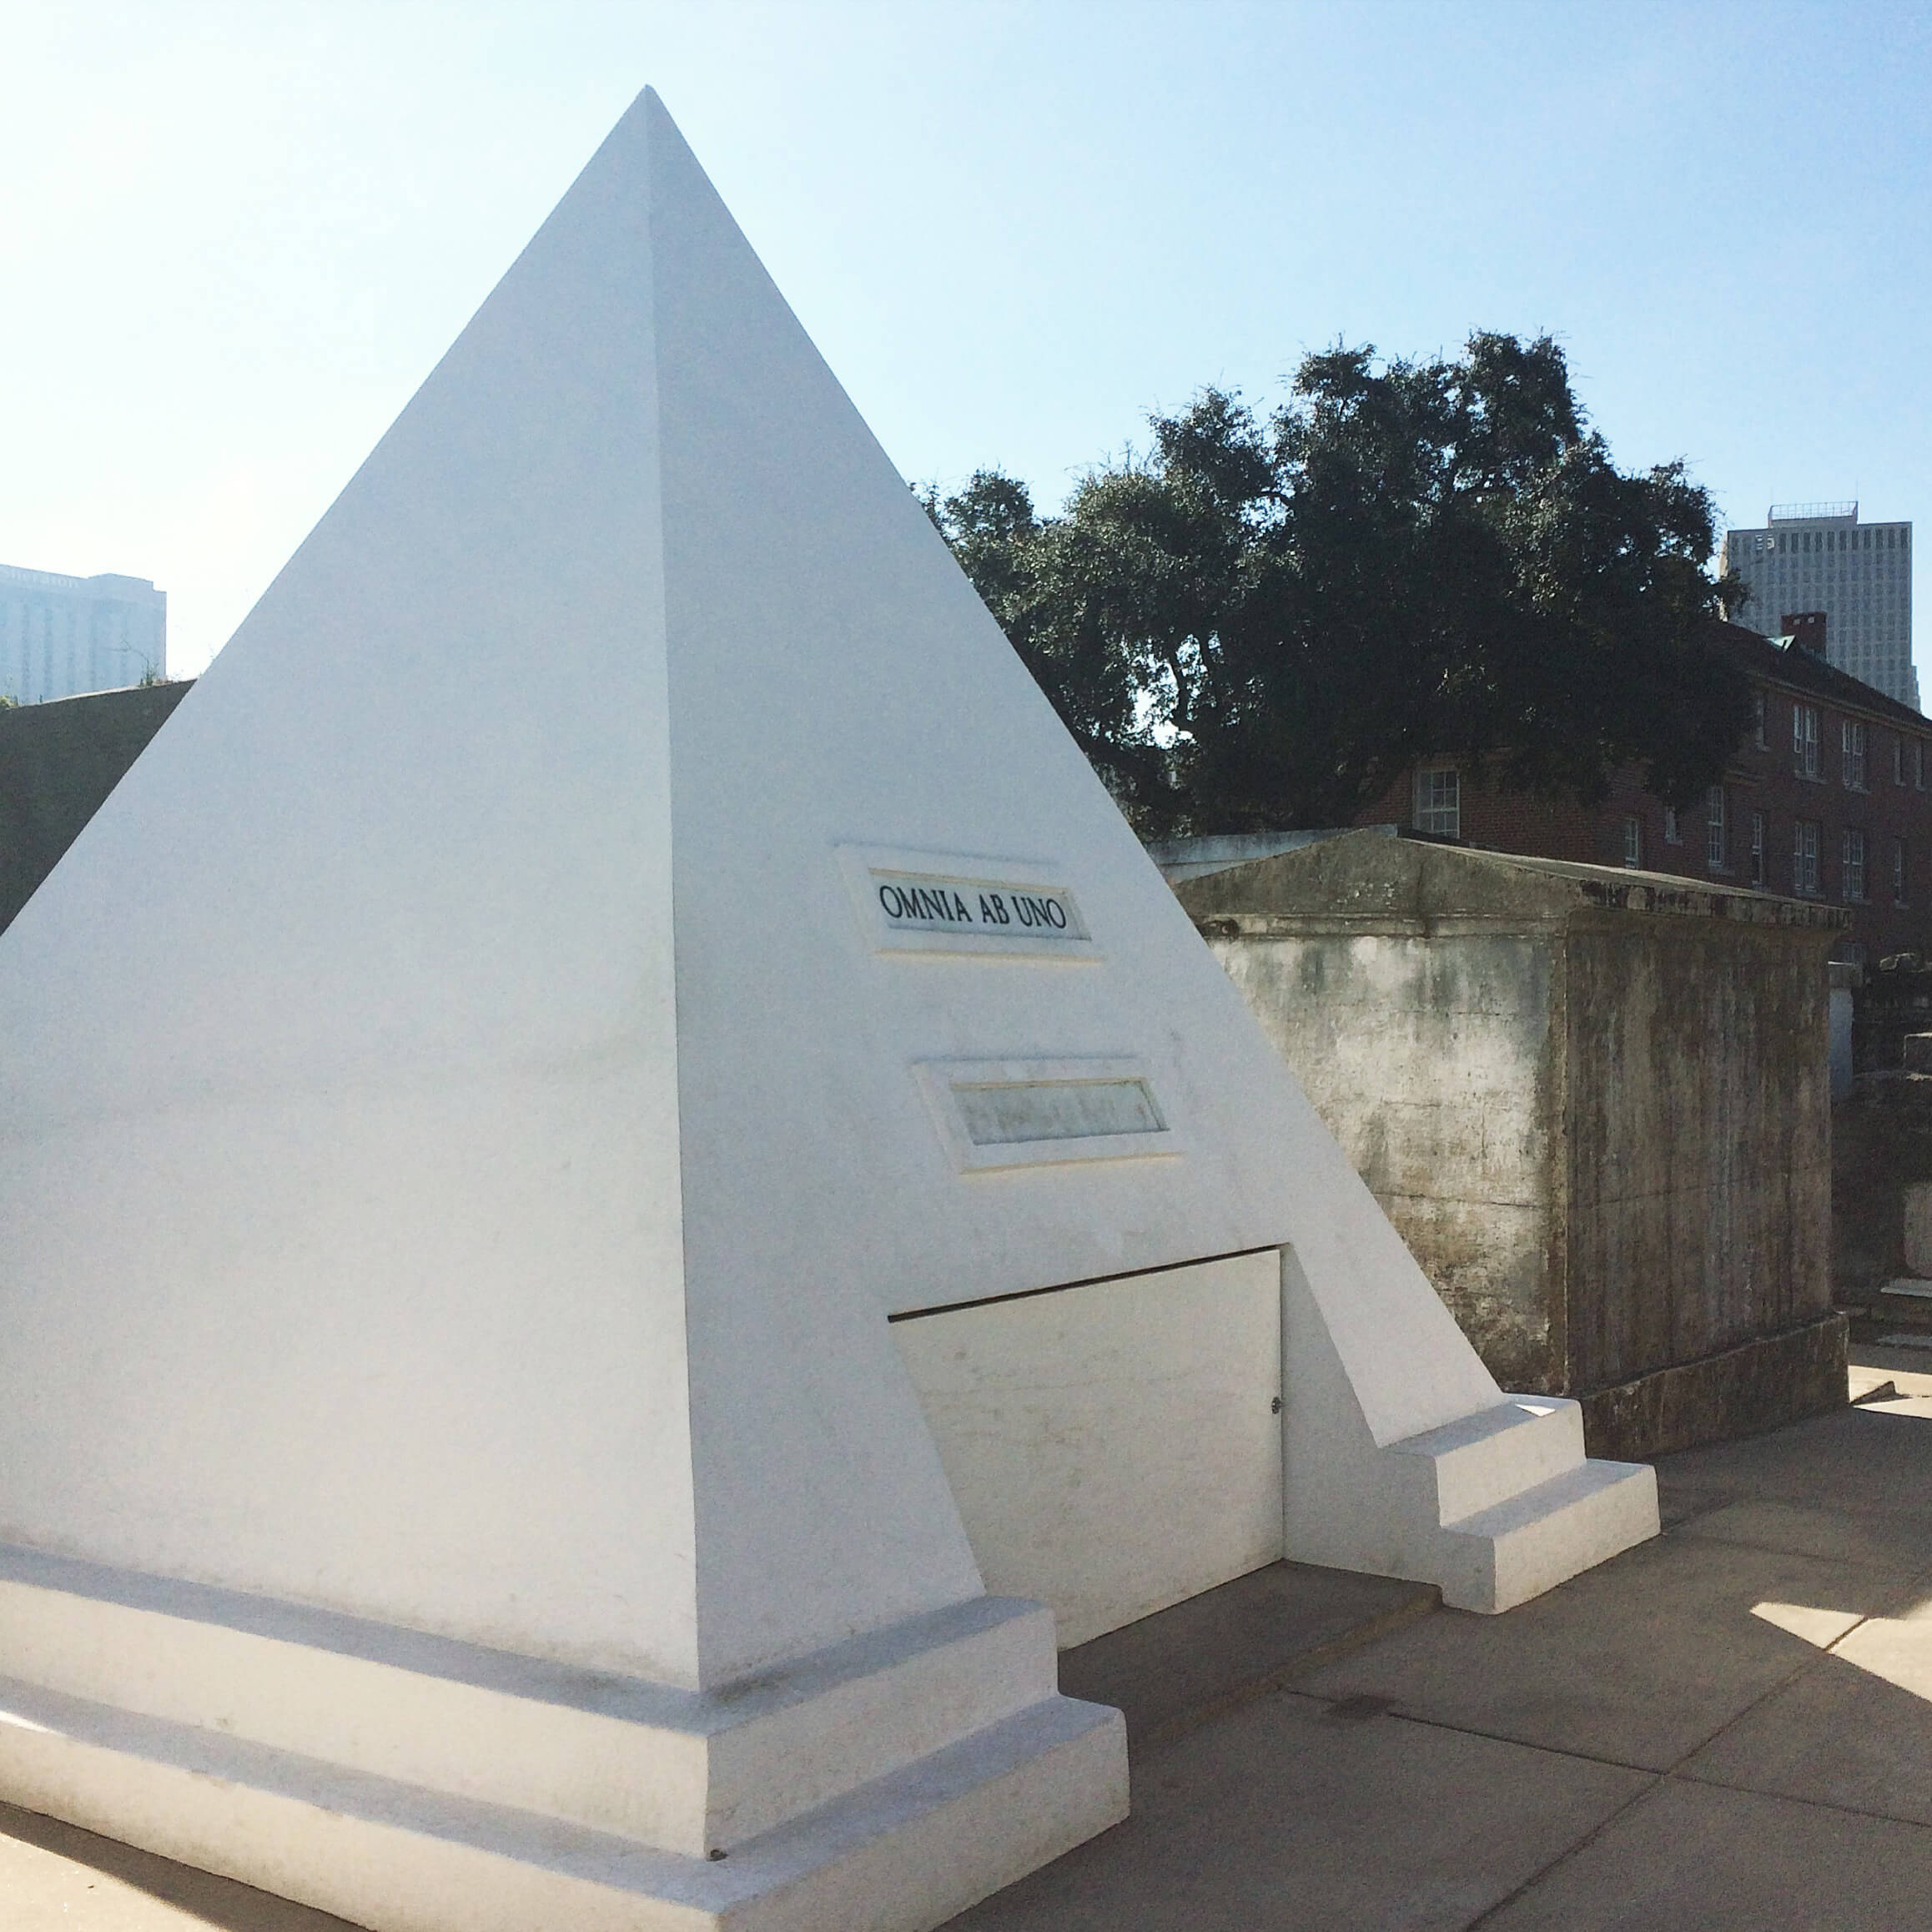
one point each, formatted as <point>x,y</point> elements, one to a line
<point>900,1854</point>
<point>1512,1550</point>
<point>1492,1507</point>
<point>685,1771</point>
<point>1497,1453</point>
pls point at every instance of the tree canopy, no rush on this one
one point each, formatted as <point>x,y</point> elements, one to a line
<point>1260,621</point>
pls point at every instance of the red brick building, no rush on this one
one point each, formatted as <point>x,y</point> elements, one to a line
<point>1829,798</point>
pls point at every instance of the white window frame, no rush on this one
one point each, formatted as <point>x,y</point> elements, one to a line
<point>1852,866</point>
<point>1717,843</point>
<point>1757,848</point>
<point>1854,766</point>
<point>1632,842</point>
<point>1438,804</point>
<point>1672,831</point>
<point>1804,740</point>
<point>1804,880</point>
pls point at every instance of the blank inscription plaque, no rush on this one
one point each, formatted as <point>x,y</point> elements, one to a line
<point>996,1114</point>
<point>1021,1110</point>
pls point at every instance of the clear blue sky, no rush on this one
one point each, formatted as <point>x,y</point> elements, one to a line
<point>234,238</point>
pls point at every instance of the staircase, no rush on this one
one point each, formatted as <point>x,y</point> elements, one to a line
<point>1517,1507</point>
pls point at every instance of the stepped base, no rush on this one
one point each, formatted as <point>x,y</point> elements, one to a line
<point>1513,1551</point>
<point>411,1782</point>
<point>1519,1507</point>
<point>1906,1303</point>
<point>1495,1507</point>
<point>901,1854</point>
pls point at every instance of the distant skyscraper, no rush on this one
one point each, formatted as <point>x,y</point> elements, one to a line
<point>60,636</point>
<point>1818,556</point>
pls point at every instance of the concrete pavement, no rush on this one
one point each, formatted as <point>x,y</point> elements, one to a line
<point>1729,1727</point>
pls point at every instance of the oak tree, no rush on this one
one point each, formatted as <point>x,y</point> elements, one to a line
<point>1260,621</point>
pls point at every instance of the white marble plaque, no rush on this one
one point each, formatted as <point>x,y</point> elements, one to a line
<point>1001,1114</point>
<point>996,1114</point>
<point>924,902</point>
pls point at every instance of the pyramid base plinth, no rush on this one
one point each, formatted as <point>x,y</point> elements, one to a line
<point>901,1854</point>
<point>414,1784</point>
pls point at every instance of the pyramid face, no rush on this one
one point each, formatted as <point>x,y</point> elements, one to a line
<point>615,922</point>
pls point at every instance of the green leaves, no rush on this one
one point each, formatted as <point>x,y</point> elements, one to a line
<point>1260,623</point>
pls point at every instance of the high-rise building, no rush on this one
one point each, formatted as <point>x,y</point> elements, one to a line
<point>60,636</point>
<point>1818,556</point>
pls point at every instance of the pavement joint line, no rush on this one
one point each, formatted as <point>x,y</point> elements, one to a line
<point>1684,1522</point>
<point>1569,1852</point>
<point>1715,1500</point>
<point>1279,1678</point>
<point>1409,1717</point>
<point>1675,1774</point>
<point>1781,1550</point>
<point>1914,1518</point>
<point>1406,1715</point>
<point>1792,1797</point>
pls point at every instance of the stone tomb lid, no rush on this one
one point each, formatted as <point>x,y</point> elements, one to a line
<point>1366,877</point>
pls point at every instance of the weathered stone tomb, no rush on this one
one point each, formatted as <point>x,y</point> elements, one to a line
<point>1596,1103</point>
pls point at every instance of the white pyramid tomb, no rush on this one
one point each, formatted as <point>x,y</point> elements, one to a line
<point>615,924</point>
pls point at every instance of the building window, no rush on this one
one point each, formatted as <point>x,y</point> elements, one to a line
<point>1715,857</point>
<point>1897,872</point>
<point>1672,833</point>
<point>1919,764</point>
<point>1851,737</point>
<point>1757,848</point>
<point>1805,858</point>
<point>1854,868</point>
<point>1632,839</point>
<point>1804,740</point>
<point>1439,802</point>
<point>1758,719</point>
<point>1897,759</point>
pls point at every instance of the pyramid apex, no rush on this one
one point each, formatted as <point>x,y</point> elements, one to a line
<point>650,104</point>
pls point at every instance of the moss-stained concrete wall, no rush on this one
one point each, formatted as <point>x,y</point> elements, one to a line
<point>1595,1102</point>
<point>1881,1145</point>
<point>58,764</point>
<point>1700,1111</point>
<point>1435,1064</point>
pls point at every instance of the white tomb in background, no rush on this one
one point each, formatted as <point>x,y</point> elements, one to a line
<point>636,927</point>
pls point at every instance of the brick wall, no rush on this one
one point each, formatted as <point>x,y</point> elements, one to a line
<point>1891,808</point>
